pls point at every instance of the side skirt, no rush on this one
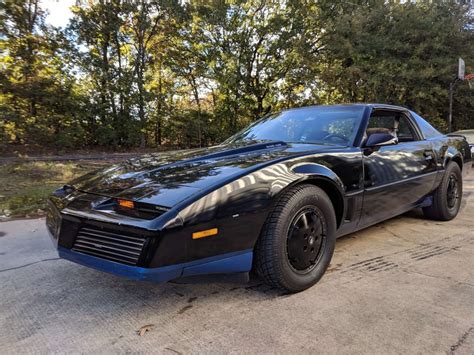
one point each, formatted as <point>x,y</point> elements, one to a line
<point>424,202</point>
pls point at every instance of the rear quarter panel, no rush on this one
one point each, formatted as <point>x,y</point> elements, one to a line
<point>452,148</point>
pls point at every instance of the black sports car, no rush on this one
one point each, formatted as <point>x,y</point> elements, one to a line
<point>272,198</point>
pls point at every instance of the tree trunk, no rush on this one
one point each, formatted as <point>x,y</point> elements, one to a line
<point>198,104</point>
<point>141,100</point>
<point>159,107</point>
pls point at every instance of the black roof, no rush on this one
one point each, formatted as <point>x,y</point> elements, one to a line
<point>372,105</point>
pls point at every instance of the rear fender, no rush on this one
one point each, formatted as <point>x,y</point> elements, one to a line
<point>451,154</point>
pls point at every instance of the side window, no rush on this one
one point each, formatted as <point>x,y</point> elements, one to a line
<point>393,123</point>
<point>382,122</point>
<point>405,132</point>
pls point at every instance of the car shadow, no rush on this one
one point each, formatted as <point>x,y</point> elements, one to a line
<point>180,296</point>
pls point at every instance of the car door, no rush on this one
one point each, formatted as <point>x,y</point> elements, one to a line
<point>398,176</point>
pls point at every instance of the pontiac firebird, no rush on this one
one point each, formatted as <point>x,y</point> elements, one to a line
<point>273,198</point>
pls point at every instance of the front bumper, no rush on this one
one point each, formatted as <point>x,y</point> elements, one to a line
<point>72,236</point>
<point>227,263</point>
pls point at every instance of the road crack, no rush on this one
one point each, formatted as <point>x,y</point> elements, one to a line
<point>460,341</point>
<point>396,235</point>
<point>29,264</point>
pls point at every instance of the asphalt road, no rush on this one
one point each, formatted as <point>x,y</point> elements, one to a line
<point>405,285</point>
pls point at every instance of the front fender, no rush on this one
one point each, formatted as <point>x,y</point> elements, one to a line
<point>326,179</point>
<point>312,170</point>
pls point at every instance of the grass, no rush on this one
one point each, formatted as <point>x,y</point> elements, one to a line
<point>25,186</point>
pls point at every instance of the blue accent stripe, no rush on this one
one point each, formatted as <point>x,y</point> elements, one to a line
<point>240,261</point>
<point>227,264</point>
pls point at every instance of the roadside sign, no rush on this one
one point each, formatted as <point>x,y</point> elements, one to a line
<point>461,69</point>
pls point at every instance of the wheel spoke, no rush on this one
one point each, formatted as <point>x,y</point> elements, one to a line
<point>304,219</point>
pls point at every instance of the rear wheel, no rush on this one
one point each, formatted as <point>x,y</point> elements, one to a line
<point>297,241</point>
<point>447,197</point>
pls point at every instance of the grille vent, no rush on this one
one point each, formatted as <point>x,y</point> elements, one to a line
<point>113,246</point>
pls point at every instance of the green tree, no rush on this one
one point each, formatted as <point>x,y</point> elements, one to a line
<point>150,73</point>
<point>399,53</point>
<point>37,92</point>
<point>249,48</point>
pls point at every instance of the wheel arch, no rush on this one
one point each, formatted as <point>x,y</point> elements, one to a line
<point>453,155</point>
<point>333,192</point>
<point>324,178</point>
<point>458,160</point>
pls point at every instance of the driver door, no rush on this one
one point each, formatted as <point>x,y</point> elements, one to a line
<point>398,176</point>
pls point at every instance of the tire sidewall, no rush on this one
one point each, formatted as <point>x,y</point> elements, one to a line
<point>450,213</point>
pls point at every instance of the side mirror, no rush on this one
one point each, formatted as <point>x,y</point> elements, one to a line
<point>379,139</point>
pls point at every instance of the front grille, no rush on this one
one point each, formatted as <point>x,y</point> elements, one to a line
<point>109,245</point>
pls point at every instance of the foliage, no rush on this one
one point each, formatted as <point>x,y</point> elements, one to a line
<point>405,54</point>
<point>168,72</point>
<point>37,93</point>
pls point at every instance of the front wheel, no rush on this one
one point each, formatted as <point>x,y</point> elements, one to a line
<point>297,241</point>
<point>447,197</point>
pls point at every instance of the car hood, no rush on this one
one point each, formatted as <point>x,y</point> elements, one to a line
<point>165,179</point>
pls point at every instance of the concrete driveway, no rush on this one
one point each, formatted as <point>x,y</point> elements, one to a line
<point>406,285</point>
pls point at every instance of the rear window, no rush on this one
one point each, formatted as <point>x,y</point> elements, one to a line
<point>468,134</point>
<point>427,130</point>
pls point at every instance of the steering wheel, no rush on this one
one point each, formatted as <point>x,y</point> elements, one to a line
<point>332,136</point>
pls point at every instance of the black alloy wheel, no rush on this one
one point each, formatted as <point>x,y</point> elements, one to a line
<point>306,235</point>
<point>452,191</point>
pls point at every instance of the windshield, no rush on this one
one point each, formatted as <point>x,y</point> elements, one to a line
<point>320,125</point>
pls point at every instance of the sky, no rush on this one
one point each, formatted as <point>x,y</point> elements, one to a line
<point>59,13</point>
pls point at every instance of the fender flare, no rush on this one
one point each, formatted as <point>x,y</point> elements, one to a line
<point>316,174</point>
<point>318,170</point>
<point>452,154</point>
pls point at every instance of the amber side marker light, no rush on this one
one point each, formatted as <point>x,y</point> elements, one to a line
<point>206,233</point>
<point>126,203</point>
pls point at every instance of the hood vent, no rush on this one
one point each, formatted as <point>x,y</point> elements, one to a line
<point>136,209</point>
<point>140,210</point>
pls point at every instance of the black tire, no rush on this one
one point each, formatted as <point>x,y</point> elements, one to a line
<point>301,208</point>
<point>446,198</point>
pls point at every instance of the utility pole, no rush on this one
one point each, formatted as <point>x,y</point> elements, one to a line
<point>450,115</point>
<point>461,71</point>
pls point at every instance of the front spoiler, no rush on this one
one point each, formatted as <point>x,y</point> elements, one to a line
<point>240,261</point>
